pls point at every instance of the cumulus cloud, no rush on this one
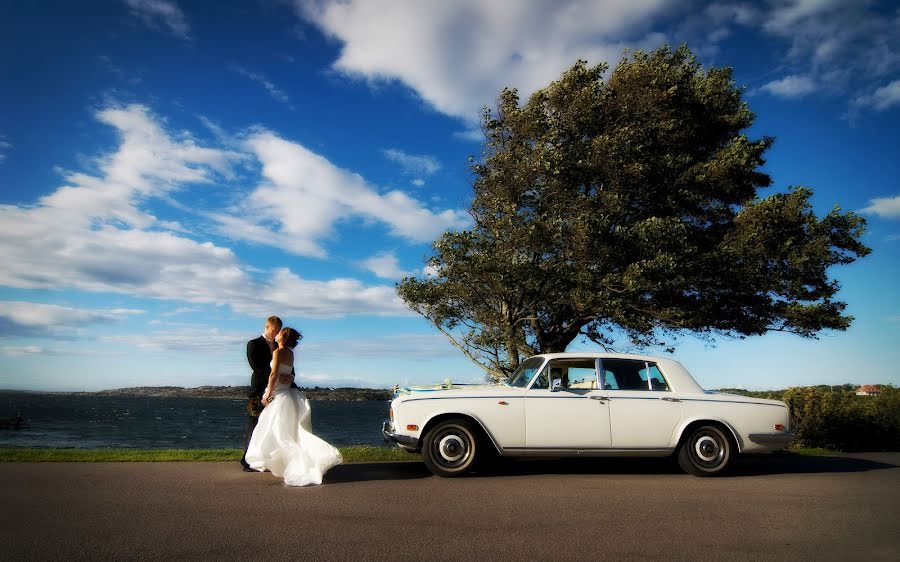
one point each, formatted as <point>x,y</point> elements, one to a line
<point>303,195</point>
<point>413,163</point>
<point>386,266</point>
<point>458,55</point>
<point>161,15</point>
<point>293,295</point>
<point>884,207</point>
<point>790,86</point>
<point>19,318</point>
<point>94,233</point>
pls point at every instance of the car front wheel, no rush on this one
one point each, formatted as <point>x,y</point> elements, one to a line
<point>450,448</point>
<point>706,451</point>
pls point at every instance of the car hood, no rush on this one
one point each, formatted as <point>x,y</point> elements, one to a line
<point>445,389</point>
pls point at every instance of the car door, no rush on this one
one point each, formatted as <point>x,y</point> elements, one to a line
<point>643,411</point>
<point>574,417</point>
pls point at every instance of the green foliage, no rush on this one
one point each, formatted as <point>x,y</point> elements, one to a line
<point>630,206</point>
<point>838,419</point>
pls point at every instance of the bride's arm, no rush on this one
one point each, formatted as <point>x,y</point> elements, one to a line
<point>273,376</point>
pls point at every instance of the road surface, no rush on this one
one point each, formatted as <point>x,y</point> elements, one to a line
<point>772,508</point>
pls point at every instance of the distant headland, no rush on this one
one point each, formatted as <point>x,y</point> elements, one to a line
<point>230,392</point>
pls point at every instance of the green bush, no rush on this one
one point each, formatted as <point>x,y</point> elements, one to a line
<point>822,417</point>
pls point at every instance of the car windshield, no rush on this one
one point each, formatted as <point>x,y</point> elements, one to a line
<point>523,375</point>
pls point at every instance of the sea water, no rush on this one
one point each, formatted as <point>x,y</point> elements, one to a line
<point>89,422</point>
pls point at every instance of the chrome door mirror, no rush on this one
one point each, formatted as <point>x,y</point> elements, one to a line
<point>555,385</point>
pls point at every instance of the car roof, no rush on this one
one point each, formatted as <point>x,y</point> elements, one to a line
<point>601,355</point>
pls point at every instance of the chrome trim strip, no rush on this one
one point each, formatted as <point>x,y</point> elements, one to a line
<point>732,402</point>
<point>504,397</point>
<point>771,438</point>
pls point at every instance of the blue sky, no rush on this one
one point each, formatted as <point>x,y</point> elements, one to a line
<point>172,172</point>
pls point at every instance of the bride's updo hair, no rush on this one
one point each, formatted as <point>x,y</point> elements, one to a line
<point>290,337</point>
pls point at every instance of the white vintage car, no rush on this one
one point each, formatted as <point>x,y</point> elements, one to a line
<point>585,404</point>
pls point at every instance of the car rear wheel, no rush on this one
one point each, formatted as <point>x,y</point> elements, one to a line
<point>706,451</point>
<point>450,448</point>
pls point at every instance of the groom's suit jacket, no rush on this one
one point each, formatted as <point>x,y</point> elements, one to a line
<point>259,355</point>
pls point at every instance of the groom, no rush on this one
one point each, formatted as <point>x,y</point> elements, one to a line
<point>259,355</point>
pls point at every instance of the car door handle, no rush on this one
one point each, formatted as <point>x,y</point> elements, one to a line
<point>598,397</point>
<point>670,399</point>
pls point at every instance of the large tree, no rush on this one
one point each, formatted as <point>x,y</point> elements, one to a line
<point>630,207</point>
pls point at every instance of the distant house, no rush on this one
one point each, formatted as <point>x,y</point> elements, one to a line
<point>867,390</point>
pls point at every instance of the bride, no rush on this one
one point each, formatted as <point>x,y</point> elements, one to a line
<point>282,442</point>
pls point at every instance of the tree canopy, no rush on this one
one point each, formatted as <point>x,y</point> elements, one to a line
<point>629,206</point>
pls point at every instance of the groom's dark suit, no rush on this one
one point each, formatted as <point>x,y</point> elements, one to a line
<point>259,355</point>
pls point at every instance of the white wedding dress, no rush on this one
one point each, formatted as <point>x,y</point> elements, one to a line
<point>283,443</point>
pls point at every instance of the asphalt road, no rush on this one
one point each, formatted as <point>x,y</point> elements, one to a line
<point>770,508</point>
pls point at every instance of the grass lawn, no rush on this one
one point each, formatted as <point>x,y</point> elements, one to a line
<point>356,453</point>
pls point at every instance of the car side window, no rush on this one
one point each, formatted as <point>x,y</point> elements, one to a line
<point>632,374</point>
<point>609,380</point>
<point>627,373</point>
<point>572,374</point>
<point>657,381</point>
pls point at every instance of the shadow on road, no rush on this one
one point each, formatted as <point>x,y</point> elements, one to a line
<point>365,472</point>
<point>751,465</point>
<point>787,463</point>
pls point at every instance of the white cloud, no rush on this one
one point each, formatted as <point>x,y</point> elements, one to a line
<point>277,93</point>
<point>291,295</point>
<point>19,318</point>
<point>416,347</point>
<point>791,86</point>
<point>161,15</point>
<point>303,195</point>
<point>24,350</point>
<point>841,46</point>
<point>884,207</point>
<point>418,182</point>
<point>94,233</point>
<point>787,14</point>
<point>4,145</point>
<point>882,98</point>
<point>459,55</point>
<point>186,339</point>
<point>386,266</point>
<point>412,163</point>
<point>327,380</point>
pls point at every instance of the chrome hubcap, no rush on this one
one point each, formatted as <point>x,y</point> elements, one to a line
<point>452,448</point>
<point>707,448</point>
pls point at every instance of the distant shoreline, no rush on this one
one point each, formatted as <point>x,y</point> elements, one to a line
<point>223,392</point>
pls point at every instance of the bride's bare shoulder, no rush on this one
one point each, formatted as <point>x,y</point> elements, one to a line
<point>283,355</point>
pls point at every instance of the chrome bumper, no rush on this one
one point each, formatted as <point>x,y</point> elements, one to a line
<point>772,439</point>
<point>404,441</point>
